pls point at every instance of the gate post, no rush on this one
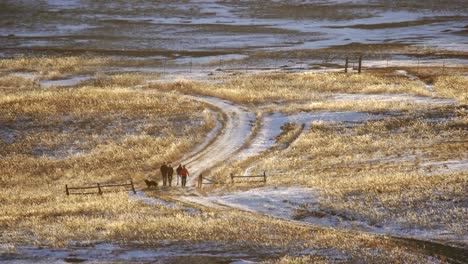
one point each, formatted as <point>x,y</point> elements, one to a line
<point>133,187</point>
<point>360,64</point>
<point>264,176</point>
<point>346,65</point>
<point>99,189</point>
<point>66,189</point>
<point>200,180</point>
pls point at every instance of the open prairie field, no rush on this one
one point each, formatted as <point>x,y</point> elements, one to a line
<point>311,131</point>
<point>357,165</point>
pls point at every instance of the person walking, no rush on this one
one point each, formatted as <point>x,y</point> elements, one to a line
<point>178,170</point>
<point>163,170</point>
<point>183,174</point>
<point>170,172</point>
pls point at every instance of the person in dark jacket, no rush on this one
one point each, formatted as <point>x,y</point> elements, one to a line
<point>170,172</point>
<point>163,170</point>
<point>178,170</point>
<point>184,174</point>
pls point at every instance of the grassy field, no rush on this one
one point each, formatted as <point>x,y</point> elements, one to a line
<point>382,172</point>
<point>262,88</point>
<point>105,129</point>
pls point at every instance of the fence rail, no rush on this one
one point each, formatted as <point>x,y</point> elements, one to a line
<point>99,188</point>
<point>263,176</point>
<point>208,181</point>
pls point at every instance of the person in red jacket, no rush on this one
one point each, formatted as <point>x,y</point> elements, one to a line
<point>184,174</point>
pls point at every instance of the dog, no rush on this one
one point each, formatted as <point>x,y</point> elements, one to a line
<point>151,183</point>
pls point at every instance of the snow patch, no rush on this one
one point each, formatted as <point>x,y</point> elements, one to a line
<point>65,82</point>
<point>271,127</point>
<point>445,167</point>
<point>392,98</point>
<point>141,196</point>
<point>302,204</point>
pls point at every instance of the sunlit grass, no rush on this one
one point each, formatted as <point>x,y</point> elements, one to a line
<point>282,87</point>
<point>453,87</point>
<point>373,172</point>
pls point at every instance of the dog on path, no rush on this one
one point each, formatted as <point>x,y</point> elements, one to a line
<point>150,183</point>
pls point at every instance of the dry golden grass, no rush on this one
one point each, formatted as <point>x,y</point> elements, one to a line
<point>48,219</point>
<point>264,88</point>
<point>102,131</point>
<point>102,126</point>
<point>96,122</point>
<point>374,172</point>
<point>371,106</point>
<point>453,87</point>
<point>54,67</point>
<point>15,82</point>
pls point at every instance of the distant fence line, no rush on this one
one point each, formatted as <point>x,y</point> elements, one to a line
<point>98,187</point>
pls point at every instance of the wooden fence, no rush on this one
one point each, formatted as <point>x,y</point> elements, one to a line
<point>263,176</point>
<point>358,68</point>
<point>207,181</point>
<point>98,188</point>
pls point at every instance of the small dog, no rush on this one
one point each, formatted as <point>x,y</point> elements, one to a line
<point>151,183</point>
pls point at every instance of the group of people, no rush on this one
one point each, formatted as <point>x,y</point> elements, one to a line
<point>167,171</point>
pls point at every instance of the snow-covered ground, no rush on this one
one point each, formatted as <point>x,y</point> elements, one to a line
<point>445,167</point>
<point>302,204</point>
<point>105,252</point>
<point>209,137</point>
<point>404,98</point>
<point>271,127</point>
<point>142,196</point>
<point>64,82</point>
<point>238,128</point>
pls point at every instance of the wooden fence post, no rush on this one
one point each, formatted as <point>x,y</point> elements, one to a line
<point>200,181</point>
<point>133,187</point>
<point>66,189</point>
<point>346,65</point>
<point>99,188</point>
<point>360,64</point>
<point>232,178</point>
<point>264,176</point>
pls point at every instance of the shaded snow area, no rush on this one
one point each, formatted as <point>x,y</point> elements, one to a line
<point>165,252</point>
<point>445,167</point>
<point>64,82</point>
<point>302,204</point>
<point>272,124</point>
<point>141,196</point>
<point>403,98</point>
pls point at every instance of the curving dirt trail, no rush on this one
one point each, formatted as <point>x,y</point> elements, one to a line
<point>238,127</point>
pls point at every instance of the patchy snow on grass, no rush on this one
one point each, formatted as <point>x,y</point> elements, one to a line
<point>445,167</point>
<point>272,127</point>
<point>277,201</point>
<point>302,204</point>
<point>64,82</point>
<point>392,98</point>
<point>141,196</point>
<point>31,75</point>
<point>105,252</point>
